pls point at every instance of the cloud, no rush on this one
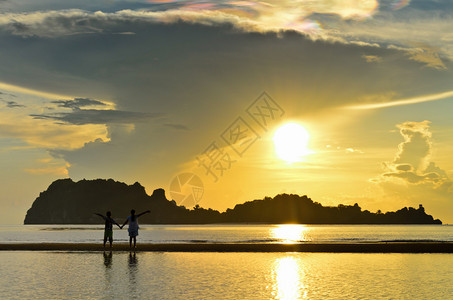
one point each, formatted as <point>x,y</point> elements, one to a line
<point>47,135</point>
<point>372,58</point>
<point>417,146</point>
<point>412,165</point>
<point>367,23</point>
<point>93,116</point>
<point>424,35</point>
<point>16,125</point>
<point>13,104</point>
<point>352,150</point>
<point>338,149</point>
<point>424,54</point>
<point>256,16</point>
<point>23,90</point>
<point>7,94</point>
<point>428,56</point>
<point>78,103</point>
<point>80,116</point>
<point>412,178</point>
<point>399,4</point>
<point>288,8</point>
<point>399,102</point>
<point>64,124</point>
<point>177,126</point>
<point>50,170</point>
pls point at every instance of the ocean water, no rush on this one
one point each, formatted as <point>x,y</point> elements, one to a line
<point>218,275</point>
<point>229,233</point>
<point>151,275</point>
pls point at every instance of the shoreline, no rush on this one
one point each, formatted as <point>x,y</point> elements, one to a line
<point>382,247</point>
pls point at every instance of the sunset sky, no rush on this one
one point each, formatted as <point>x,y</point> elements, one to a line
<point>141,91</point>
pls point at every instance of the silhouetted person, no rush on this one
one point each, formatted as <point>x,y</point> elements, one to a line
<point>108,229</point>
<point>133,226</point>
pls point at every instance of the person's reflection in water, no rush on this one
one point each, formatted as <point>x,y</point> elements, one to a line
<point>108,259</point>
<point>132,260</point>
<point>108,283</point>
<point>133,270</point>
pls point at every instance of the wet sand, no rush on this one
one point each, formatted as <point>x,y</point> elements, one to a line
<point>383,247</point>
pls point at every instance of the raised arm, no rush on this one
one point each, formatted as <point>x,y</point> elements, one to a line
<point>102,216</point>
<point>145,212</point>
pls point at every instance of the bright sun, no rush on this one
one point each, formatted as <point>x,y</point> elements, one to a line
<point>291,142</point>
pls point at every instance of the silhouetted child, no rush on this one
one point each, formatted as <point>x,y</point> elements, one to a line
<point>108,230</point>
<point>133,226</point>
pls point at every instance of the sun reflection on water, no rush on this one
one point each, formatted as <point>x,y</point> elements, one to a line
<point>290,233</point>
<point>287,279</point>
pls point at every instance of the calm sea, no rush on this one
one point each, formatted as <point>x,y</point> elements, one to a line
<point>229,233</point>
<point>169,275</point>
<point>151,275</point>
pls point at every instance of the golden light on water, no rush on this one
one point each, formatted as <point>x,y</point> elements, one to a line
<point>290,233</point>
<point>291,142</point>
<point>287,279</point>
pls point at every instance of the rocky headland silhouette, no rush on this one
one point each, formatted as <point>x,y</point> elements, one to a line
<point>69,202</point>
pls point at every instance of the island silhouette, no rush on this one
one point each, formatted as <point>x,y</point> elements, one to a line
<point>69,202</point>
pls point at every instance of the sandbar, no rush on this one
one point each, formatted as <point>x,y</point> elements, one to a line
<point>379,247</point>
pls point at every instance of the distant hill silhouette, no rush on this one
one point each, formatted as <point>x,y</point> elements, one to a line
<point>69,202</point>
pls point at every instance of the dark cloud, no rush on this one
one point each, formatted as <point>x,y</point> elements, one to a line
<point>78,103</point>
<point>88,5</point>
<point>80,116</point>
<point>13,104</point>
<point>93,116</point>
<point>19,28</point>
<point>180,62</point>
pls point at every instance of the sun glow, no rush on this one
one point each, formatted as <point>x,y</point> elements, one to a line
<point>288,279</point>
<point>290,233</point>
<point>291,142</point>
